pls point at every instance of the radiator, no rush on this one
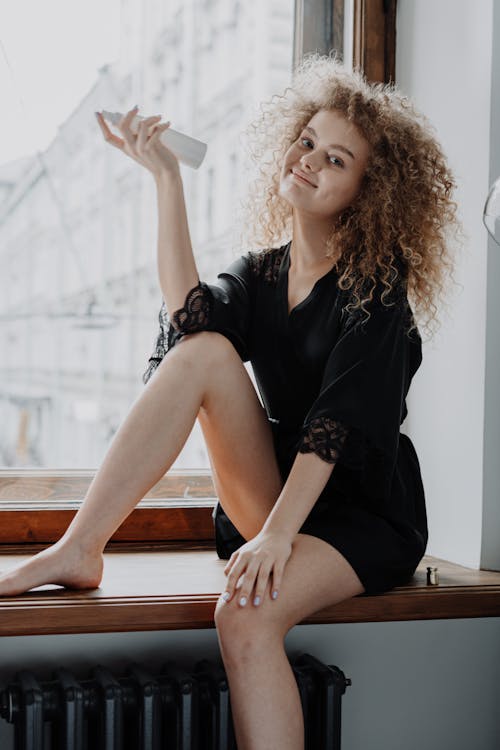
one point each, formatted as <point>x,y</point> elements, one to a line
<point>172,710</point>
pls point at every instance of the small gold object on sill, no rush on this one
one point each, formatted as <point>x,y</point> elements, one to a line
<point>432,576</point>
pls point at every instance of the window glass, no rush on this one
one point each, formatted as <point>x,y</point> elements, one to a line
<point>78,219</point>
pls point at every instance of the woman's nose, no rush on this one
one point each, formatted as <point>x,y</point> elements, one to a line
<point>310,161</point>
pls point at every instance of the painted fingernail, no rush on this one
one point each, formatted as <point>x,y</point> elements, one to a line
<point>226,595</point>
<point>256,601</point>
<point>243,601</point>
<point>275,594</point>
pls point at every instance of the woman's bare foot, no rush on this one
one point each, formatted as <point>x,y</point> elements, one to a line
<point>64,563</point>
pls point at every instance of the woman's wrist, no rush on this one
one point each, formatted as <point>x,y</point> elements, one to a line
<point>273,528</point>
<point>167,180</point>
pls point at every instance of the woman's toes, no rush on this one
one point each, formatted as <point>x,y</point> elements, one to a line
<point>55,565</point>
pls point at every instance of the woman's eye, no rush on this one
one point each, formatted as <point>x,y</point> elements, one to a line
<point>340,163</point>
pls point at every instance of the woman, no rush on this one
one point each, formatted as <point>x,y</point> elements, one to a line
<point>320,495</point>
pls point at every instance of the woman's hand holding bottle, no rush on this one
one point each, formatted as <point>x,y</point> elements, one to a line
<point>145,147</point>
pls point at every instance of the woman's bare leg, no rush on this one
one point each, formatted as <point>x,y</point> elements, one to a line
<point>252,642</point>
<point>209,380</point>
<point>143,449</point>
<point>251,638</point>
<point>241,450</point>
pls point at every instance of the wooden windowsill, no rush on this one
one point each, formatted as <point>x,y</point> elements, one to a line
<point>178,589</point>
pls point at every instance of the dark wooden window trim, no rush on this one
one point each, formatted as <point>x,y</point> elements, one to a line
<point>374,42</point>
<point>37,505</point>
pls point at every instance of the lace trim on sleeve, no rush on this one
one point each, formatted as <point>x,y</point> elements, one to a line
<point>194,316</point>
<point>334,441</point>
<point>164,342</point>
<point>325,437</point>
<point>196,313</point>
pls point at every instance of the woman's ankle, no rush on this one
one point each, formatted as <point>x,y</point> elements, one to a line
<point>87,545</point>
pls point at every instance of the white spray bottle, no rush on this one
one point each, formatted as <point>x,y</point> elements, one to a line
<point>188,150</point>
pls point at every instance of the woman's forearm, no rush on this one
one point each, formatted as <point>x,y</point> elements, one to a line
<point>176,264</point>
<point>306,481</point>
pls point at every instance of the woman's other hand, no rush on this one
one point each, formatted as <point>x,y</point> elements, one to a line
<point>145,147</point>
<point>253,563</point>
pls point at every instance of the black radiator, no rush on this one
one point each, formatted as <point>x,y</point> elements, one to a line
<point>172,710</point>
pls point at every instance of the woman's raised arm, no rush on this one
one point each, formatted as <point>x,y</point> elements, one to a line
<point>177,270</point>
<point>176,264</point>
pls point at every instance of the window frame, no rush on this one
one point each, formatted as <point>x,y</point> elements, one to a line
<point>37,505</point>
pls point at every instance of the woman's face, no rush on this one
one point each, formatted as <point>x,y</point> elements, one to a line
<point>332,155</point>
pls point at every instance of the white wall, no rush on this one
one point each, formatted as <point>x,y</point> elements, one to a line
<point>444,61</point>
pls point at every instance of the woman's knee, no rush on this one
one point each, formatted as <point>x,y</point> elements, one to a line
<point>212,343</point>
<point>242,624</point>
<point>243,632</point>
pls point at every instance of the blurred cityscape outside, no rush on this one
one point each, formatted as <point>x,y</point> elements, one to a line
<point>80,294</point>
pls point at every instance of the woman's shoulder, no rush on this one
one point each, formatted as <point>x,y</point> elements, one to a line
<point>265,264</point>
<point>380,303</point>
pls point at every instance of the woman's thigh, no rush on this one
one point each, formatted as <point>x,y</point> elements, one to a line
<point>239,440</point>
<point>315,576</point>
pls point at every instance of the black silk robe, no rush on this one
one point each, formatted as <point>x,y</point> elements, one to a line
<point>332,383</point>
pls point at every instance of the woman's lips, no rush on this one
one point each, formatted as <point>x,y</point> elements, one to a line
<point>302,179</point>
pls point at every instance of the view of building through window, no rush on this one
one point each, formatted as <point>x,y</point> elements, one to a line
<point>80,295</point>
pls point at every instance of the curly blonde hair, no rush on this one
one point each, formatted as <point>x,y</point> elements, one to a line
<point>396,231</point>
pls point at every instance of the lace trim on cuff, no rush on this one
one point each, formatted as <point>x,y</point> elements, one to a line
<point>164,342</point>
<point>196,313</point>
<point>194,316</point>
<point>334,441</point>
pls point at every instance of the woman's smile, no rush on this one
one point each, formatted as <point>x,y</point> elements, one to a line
<point>298,176</point>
